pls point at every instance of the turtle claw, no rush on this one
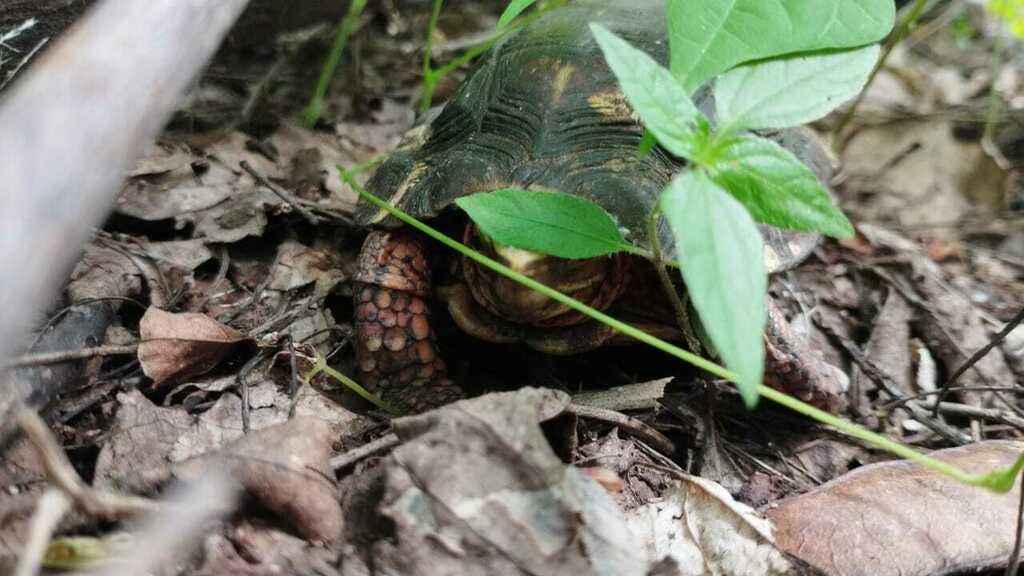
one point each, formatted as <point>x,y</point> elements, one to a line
<point>396,350</point>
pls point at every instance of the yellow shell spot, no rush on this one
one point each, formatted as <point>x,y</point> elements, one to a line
<point>410,181</point>
<point>612,104</point>
<point>561,81</point>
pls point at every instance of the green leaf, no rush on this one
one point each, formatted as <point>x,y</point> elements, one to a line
<point>514,8</point>
<point>547,222</point>
<point>709,37</point>
<point>790,91</point>
<point>656,96</point>
<point>777,188</point>
<point>722,262</point>
<point>647,143</point>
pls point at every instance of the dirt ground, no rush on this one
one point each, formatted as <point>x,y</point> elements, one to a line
<point>197,326</point>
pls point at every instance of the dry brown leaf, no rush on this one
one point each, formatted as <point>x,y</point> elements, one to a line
<point>146,440</point>
<point>293,479</point>
<point>955,331</point>
<point>160,159</point>
<point>135,456</point>
<point>182,345</point>
<point>896,518</point>
<point>298,265</point>
<point>185,254</point>
<point>914,171</point>
<point>269,405</point>
<point>889,349</point>
<point>699,525</point>
<point>22,481</point>
<point>256,550</point>
<point>477,489</point>
<point>104,273</point>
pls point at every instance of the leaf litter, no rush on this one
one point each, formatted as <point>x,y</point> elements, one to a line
<point>224,271</point>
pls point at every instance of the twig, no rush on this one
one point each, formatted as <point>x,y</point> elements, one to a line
<point>62,475</point>
<point>977,356</point>
<point>222,273</point>
<point>628,424</point>
<point>52,507</point>
<point>40,358</point>
<point>1014,563</point>
<point>926,393</point>
<point>669,287</point>
<point>57,109</point>
<point>31,53</point>
<point>286,198</point>
<point>293,383</point>
<point>990,414</point>
<point>382,444</point>
<point>885,382</point>
<point>243,385</point>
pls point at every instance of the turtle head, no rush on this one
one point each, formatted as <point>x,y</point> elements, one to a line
<point>596,282</point>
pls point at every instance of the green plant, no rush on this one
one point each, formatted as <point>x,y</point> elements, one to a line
<point>1011,12</point>
<point>507,23</point>
<point>1000,480</point>
<point>348,25</point>
<point>735,177</point>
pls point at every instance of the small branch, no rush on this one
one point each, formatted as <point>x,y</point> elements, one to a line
<point>1014,563</point>
<point>68,355</point>
<point>382,444</point>
<point>682,314</point>
<point>52,507</point>
<point>977,356</point>
<point>293,384</point>
<point>990,414</point>
<point>286,198</point>
<point>634,426</point>
<point>62,475</point>
<point>885,382</point>
<point>14,71</point>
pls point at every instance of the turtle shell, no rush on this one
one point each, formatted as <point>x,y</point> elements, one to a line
<point>543,110</point>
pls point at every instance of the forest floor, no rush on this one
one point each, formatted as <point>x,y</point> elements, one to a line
<point>225,276</point>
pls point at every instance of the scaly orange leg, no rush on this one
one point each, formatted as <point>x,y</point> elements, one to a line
<point>396,349</point>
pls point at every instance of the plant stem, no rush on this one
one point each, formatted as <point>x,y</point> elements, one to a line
<point>429,75</point>
<point>1001,480</point>
<point>992,113</point>
<point>877,440</point>
<point>345,29</point>
<point>682,314</point>
<point>899,32</point>
<point>321,366</point>
<point>555,295</point>
<point>432,76</point>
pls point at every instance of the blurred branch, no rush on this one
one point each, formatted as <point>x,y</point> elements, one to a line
<point>74,124</point>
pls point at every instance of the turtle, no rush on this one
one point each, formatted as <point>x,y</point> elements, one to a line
<point>540,110</point>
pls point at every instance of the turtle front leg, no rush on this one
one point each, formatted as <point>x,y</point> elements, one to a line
<point>396,350</point>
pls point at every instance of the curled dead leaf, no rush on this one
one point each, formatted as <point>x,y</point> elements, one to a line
<point>293,480</point>
<point>476,489</point>
<point>705,531</point>
<point>899,518</point>
<point>181,345</point>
